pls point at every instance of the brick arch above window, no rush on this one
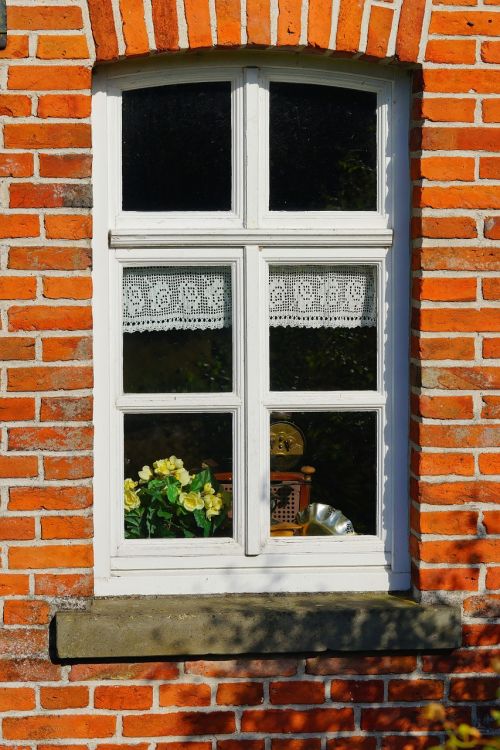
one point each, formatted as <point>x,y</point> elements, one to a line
<point>361,28</point>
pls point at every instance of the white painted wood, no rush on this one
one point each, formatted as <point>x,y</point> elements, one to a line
<point>249,238</point>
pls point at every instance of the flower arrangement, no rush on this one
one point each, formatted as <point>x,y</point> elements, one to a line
<point>168,502</point>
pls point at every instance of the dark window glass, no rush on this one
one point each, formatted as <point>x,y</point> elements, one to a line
<point>342,448</point>
<point>200,441</point>
<point>323,148</point>
<point>176,148</point>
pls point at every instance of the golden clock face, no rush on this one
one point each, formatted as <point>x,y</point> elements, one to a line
<point>287,445</point>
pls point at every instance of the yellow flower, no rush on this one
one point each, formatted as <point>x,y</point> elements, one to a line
<point>213,505</point>
<point>191,501</point>
<point>167,466</point>
<point>131,498</point>
<point>145,474</point>
<point>182,476</point>
<point>208,489</point>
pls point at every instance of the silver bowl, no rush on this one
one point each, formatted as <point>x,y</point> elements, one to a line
<point>319,519</point>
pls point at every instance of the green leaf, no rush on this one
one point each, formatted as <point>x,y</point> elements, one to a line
<point>173,492</point>
<point>200,480</point>
<point>202,521</point>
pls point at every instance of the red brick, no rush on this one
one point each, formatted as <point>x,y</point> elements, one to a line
<point>239,694</point>
<point>17,347</point>
<point>454,523</point>
<point>118,698</point>
<point>259,23</point>
<point>444,109</point>
<point>17,699</point>
<point>178,724</point>
<point>490,52</point>
<point>74,287</point>
<point>185,695</point>
<point>28,670</point>
<point>64,409</point>
<point>460,377</point>
<point>309,744</point>
<point>453,139</point>
<point>17,287</point>
<point>69,527</point>
<point>415,690</point>
<point>492,583</point>
<point>451,51</point>
<point>27,612</point>
<point>14,105</point>
<point>134,27</point>
<point>442,348</point>
<point>485,605</point>
<point>452,579</point>
<point>357,691</point>
<point>16,49</point>
<point>442,464</point>
<point>49,378</point>
<point>45,78</point>
<point>50,258</point>
<point>47,195</point>
<point>457,436</point>
<point>17,528</point>
<point>44,17</point>
<point>289,22</point>
<point>409,30</point>
<point>460,661</point>
<point>165,24</point>
<point>295,692</point>
<point>143,671</point>
<point>58,727</point>
<point>443,168</point>
<point>444,407</point>
<point>470,551</point>
<point>349,25</point>
<point>457,493</point>
<point>465,23</point>
<point>243,668</point>
<point>489,463</point>
<point>15,165</point>
<point>491,110</point>
<point>198,23</point>
<point>460,259</point>
<point>404,719</point>
<point>491,521</point>
<point>445,290</point>
<point>228,19</point>
<point>379,31</point>
<point>68,467</point>
<point>468,689</point>
<point>68,227</point>
<point>459,320</point>
<point>454,196</point>
<point>64,105</point>
<point>352,743</point>
<point>16,409</point>
<point>12,584</point>
<point>68,585</point>
<point>489,168</point>
<point>318,24</point>
<point>460,80</point>
<point>63,348</point>
<point>23,642</point>
<point>51,556</point>
<point>481,635</point>
<point>64,697</point>
<point>289,721</point>
<point>491,288</point>
<point>362,665</point>
<point>449,227</point>
<point>19,225</point>
<point>47,135</point>
<point>49,498</point>
<point>103,29</point>
<point>492,228</point>
<point>62,46</point>
<point>18,467</point>
<point>50,438</point>
<point>65,165</point>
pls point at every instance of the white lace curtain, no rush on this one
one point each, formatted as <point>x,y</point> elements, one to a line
<point>197,298</point>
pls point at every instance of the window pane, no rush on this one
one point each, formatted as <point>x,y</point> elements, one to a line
<point>341,449</point>
<point>177,329</point>
<point>177,455</point>
<point>323,148</point>
<point>323,333</point>
<point>176,150</point>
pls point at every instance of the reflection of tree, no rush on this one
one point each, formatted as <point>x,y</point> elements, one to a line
<point>322,148</point>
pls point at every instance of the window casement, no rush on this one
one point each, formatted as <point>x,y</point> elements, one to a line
<point>251,318</point>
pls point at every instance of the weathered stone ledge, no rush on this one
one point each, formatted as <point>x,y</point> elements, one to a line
<point>254,624</point>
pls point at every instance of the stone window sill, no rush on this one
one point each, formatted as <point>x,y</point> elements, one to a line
<point>254,624</point>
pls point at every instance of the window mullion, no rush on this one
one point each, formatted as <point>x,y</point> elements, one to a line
<point>252,146</point>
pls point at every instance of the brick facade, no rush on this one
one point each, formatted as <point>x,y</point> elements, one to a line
<point>349,702</point>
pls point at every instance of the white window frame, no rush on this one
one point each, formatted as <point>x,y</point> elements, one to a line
<point>250,238</point>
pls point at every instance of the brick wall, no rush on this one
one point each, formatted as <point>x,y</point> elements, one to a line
<point>361,701</point>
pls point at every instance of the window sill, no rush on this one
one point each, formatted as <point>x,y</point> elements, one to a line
<point>265,623</point>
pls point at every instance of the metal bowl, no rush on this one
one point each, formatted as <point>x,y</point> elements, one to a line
<point>319,519</point>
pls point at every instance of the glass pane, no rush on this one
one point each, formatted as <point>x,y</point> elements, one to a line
<point>321,459</point>
<point>323,333</point>
<point>177,329</point>
<point>176,148</point>
<point>323,148</point>
<point>184,486</point>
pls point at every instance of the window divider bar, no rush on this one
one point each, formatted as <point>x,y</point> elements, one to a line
<point>252,147</point>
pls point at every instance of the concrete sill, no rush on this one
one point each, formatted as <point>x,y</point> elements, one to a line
<point>253,624</point>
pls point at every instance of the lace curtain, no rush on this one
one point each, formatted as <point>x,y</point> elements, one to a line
<point>197,298</point>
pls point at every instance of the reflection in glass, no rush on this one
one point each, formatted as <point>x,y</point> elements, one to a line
<point>177,329</point>
<point>176,147</point>
<point>323,333</point>
<point>327,458</point>
<point>323,148</point>
<point>171,466</point>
